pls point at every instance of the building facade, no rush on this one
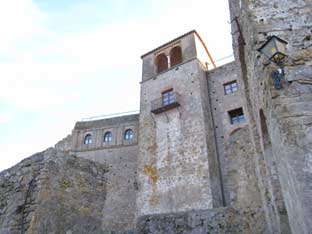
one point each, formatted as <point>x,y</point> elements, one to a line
<point>215,139</point>
<point>189,147</point>
<point>168,157</point>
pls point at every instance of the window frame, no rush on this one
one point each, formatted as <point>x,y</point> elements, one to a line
<point>128,134</point>
<point>108,137</point>
<point>167,97</point>
<point>229,88</point>
<point>237,116</point>
<point>87,140</point>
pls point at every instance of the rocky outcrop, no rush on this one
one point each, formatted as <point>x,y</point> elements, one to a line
<point>65,144</point>
<point>52,192</point>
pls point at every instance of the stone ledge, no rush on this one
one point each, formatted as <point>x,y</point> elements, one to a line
<point>220,220</point>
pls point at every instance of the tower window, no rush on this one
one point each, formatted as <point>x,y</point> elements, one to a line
<point>161,63</point>
<point>167,97</point>
<point>128,134</point>
<point>108,137</point>
<point>230,87</point>
<point>175,56</point>
<point>88,139</point>
<point>237,116</point>
<point>168,100</point>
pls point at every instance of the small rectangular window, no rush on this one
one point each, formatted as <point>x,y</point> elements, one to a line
<point>168,100</point>
<point>230,87</point>
<point>168,97</point>
<point>237,116</point>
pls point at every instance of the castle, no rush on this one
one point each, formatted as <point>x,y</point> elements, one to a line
<point>213,149</point>
<point>167,158</point>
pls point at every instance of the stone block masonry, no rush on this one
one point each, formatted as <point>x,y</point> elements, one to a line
<point>120,156</point>
<point>173,173</point>
<point>214,221</point>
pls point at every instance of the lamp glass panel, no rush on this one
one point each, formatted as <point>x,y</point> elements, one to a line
<point>269,49</point>
<point>281,46</point>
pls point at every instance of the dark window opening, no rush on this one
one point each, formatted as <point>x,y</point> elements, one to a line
<point>88,139</point>
<point>175,56</point>
<point>108,136</point>
<point>161,63</point>
<point>128,134</point>
<point>230,87</point>
<point>237,116</point>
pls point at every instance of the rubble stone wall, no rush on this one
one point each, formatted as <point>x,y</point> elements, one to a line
<point>173,167</point>
<point>120,155</point>
<point>287,112</point>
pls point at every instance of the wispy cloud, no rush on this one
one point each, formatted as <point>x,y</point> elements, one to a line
<point>20,20</point>
<point>53,63</point>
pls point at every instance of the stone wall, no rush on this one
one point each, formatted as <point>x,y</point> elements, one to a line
<point>235,148</point>
<point>211,141</point>
<point>220,105</point>
<point>223,103</point>
<point>241,185</point>
<point>52,192</point>
<point>120,156</point>
<point>286,112</point>
<point>97,129</point>
<point>214,221</point>
<point>173,167</point>
<point>120,205</point>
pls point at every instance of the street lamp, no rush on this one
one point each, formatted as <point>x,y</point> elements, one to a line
<point>275,50</point>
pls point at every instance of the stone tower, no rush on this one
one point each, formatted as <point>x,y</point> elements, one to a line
<point>177,166</point>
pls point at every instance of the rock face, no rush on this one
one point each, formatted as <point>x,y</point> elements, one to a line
<point>52,192</point>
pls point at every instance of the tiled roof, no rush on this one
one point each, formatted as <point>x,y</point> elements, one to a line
<point>106,122</point>
<point>169,42</point>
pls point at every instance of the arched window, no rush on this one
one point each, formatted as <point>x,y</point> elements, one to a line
<point>161,63</point>
<point>175,55</point>
<point>88,139</point>
<point>108,137</point>
<point>128,134</point>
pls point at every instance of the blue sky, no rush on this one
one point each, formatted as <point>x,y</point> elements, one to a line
<point>61,61</point>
